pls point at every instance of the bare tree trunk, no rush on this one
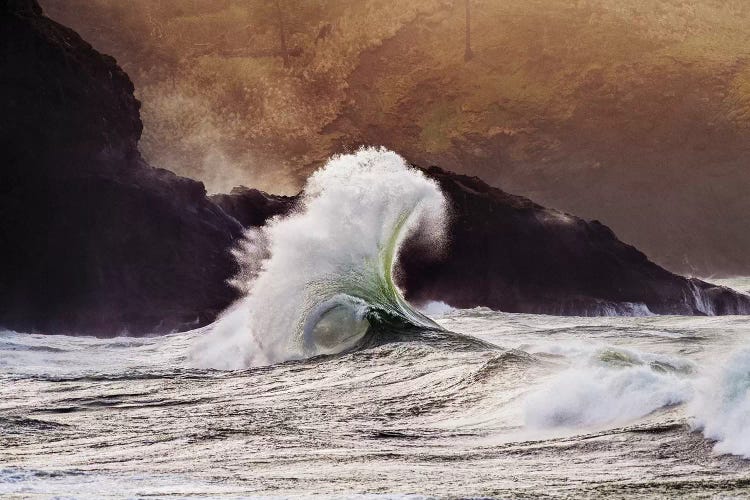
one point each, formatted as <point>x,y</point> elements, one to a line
<point>468,54</point>
<point>282,34</point>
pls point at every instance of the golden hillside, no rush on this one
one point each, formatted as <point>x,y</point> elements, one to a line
<point>635,112</point>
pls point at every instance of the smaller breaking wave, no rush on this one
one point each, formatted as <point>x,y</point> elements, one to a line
<point>321,280</point>
<point>608,386</point>
<point>721,407</point>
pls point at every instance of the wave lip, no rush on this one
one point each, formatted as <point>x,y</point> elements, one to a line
<point>318,280</point>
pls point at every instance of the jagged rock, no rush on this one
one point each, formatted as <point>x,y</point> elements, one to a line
<point>252,207</point>
<point>94,240</point>
<point>510,254</point>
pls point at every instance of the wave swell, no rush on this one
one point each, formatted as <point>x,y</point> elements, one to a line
<point>321,280</point>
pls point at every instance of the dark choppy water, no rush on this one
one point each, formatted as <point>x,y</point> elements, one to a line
<point>563,407</point>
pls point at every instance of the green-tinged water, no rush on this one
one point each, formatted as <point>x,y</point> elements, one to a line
<point>342,309</point>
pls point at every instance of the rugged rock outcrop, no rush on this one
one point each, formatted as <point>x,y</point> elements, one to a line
<point>511,254</point>
<point>94,240</point>
<point>253,207</point>
<point>508,253</point>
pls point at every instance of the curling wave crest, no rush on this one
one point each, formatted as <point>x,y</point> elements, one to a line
<point>320,280</point>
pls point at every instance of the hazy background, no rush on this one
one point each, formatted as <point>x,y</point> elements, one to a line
<point>633,112</point>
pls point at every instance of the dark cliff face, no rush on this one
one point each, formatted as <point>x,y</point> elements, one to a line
<point>510,254</point>
<point>95,241</point>
<point>64,104</point>
<point>20,7</point>
<point>253,207</point>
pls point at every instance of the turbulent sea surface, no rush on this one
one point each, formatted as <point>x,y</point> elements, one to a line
<point>323,380</point>
<point>568,407</point>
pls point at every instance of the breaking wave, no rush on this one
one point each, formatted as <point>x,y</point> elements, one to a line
<point>321,280</point>
<point>608,386</point>
<point>721,407</point>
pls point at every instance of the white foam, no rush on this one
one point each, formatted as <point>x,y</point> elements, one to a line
<point>436,309</point>
<point>84,485</point>
<point>702,303</point>
<point>721,408</point>
<point>350,209</point>
<point>607,386</point>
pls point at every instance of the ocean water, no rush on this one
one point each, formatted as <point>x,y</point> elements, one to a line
<point>550,406</point>
<point>323,381</point>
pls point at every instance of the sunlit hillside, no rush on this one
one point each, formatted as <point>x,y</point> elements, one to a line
<point>634,112</point>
